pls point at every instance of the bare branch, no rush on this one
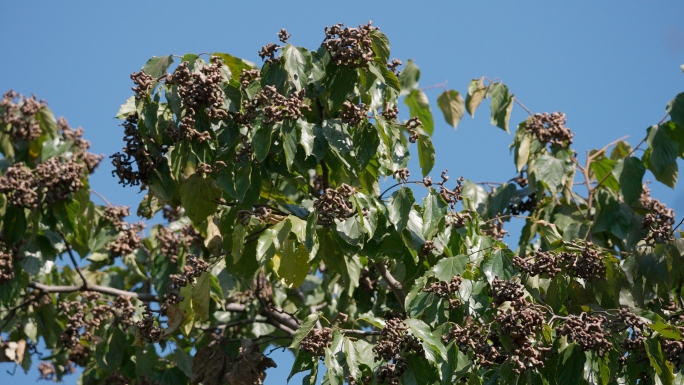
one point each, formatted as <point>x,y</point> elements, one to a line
<point>393,284</point>
<point>145,297</point>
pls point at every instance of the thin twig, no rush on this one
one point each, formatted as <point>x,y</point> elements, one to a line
<point>73,260</point>
<point>101,197</point>
<point>401,184</point>
<point>523,107</point>
<point>443,85</point>
<point>393,284</point>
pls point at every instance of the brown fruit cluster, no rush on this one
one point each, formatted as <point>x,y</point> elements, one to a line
<point>194,267</point>
<point>503,291</point>
<point>212,366</point>
<point>248,76</point>
<point>47,371</point>
<point>393,347</point>
<point>368,281</point>
<point>81,145</point>
<point>450,196</point>
<point>658,221</point>
<point>134,152</point>
<point>8,253</point>
<point>524,205</point>
<point>79,354</point>
<point>541,262</point>
<point>269,51</point>
<point>674,350</point>
<point>588,331</point>
<point>353,114</point>
<point>392,66</point>
<point>447,290</point>
<point>550,128</point>
<point>626,320</point>
<point>480,340</point>
<point>494,228</point>
<point>402,174</point>
<point>172,243</point>
<point>273,106</point>
<point>19,112</point>
<point>522,321</point>
<point>147,328</point>
<point>334,204</point>
<point>587,265</point>
<point>142,82</point>
<point>171,214</point>
<point>458,220</point>
<point>352,47</point>
<point>316,341</point>
<point>412,126</point>
<point>129,233</point>
<point>50,182</point>
<point>426,249</point>
<point>390,113</point>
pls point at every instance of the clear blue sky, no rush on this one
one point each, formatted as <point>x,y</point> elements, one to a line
<point>610,66</point>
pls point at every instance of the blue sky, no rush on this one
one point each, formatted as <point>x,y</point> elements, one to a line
<point>610,66</point>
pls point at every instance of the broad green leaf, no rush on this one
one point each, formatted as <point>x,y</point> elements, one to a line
<point>434,349</point>
<point>499,264</point>
<point>663,150</point>
<point>408,78</point>
<point>340,82</point>
<point>304,329</point>
<point>351,356</point>
<point>290,141</point>
<point>476,92</point>
<point>602,168</point>
<point>666,330</point>
<point>501,199</point>
<point>243,179</point>
<point>261,142</point>
<point>550,171</point>
<point>676,109</point>
<point>366,142</point>
<point>381,46</point>
<point>294,262</point>
<point>630,173</point>
<point>419,107</point>
<point>235,64</point>
<point>297,61</point>
<point>447,268</point>
<point>621,150</point>
<point>199,196</point>
<point>306,136</point>
<point>303,362</point>
<point>157,66</point>
<point>662,367</point>
<point>570,365</point>
<point>501,105</point>
<point>426,154</point>
<point>200,296</point>
<point>435,210</point>
<point>399,207</point>
<point>351,230</point>
<point>451,104</point>
<point>126,109</point>
<point>337,136</point>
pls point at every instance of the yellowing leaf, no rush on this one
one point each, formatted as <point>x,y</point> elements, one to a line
<point>200,296</point>
<point>294,263</point>
<point>175,319</point>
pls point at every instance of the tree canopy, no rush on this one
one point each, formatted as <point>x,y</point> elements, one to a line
<point>276,233</point>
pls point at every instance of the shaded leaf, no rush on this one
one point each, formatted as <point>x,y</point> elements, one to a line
<point>419,107</point>
<point>426,154</point>
<point>451,104</point>
<point>199,197</point>
<point>447,268</point>
<point>501,105</point>
<point>157,65</point>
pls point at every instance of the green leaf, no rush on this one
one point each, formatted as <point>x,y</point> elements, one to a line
<point>451,104</point>
<point>297,61</point>
<point>426,154</point>
<point>666,330</point>
<point>570,365</point>
<point>550,171</point>
<point>290,141</point>
<point>435,210</point>
<point>676,109</point>
<point>304,329</point>
<point>351,230</point>
<point>408,78</point>
<point>630,173</point>
<point>433,347</point>
<point>399,207</point>
<point>243,180</point>
<point>476,92</point>
<point>366,142</point>
<point>502,197</point>
<point>501,105</point>
<point>419,107</point>
<point>351,356</point>
<point>294,262</point>
<point>447,268</point>
<point>339,82</point>
<point>200,296</point>
<point>499,264</point>
<point>603,167</point>
<point>655,356</point>
<point>126,109</point>
<point>303,362</point>
<point>261,142</point>
<point>306,136</point>
<point>381,46</point>
<point>663,150</point>
<point>199,196</point>
<point>157,65</point>
<point>235,64</point>
<point>337,136</point>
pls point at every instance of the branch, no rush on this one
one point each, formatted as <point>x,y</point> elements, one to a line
<point>523,107</point>
<point>400,184</point>
<point>393,284</point>
<point>363,333</point>
<point>86,285</point>
<point>145,297</point>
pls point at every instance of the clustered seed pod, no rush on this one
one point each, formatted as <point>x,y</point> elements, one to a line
<point>129,233</point>
<point>199,90</point>
<point>626,320</point>
<point>47,371</point>
<point>21,115</point>
<point>587,265</point>
<point>658,221</point>
<point>8,253</point>
<point>503,291</point>
<point>87,315</point>
<point>273,106</point>
<point>673,350</point>
<point>494,228</point>
<point>368,281</point>
<point>334,204</point>
<point>268,51</point>
<point>353,114</point>
<point>51,181</point>
<point>522,322</point>
<point>171,214</point>
<point>283,35</point>
<point>523,205</point>
<point>550,129</point>
<point>521,180</point>
<point>352,47</point>
<point>134,152</point>
<point>402,174</point>
<point>143,83</point>
<point>116,378</point>
<point>171,242</point>
<point>248,76</point>
<point>392,66</point>
<point>450,196</point>
<point>426,249</point>
<point>390,113</point>
<point>447,290</point>
<point>412,126</point>
<point>458,220</point>
<point>393,347</point>
<point>79,355</point>
<point>194,267</point>
<point>544,263</point>
<point>316,341</point>
<point>81,145</point>
<point>477,338</point>
<point>588,331</point>
<point>147,328</point>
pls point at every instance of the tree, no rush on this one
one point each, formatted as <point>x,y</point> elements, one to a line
<point>278,234</point>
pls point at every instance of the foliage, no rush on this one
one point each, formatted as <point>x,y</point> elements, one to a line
<point>277,233</point>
